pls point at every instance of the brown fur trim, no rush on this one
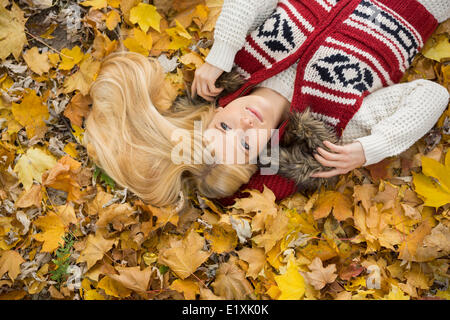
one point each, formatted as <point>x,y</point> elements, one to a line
<point>303,135</point>
<point>229,81</point>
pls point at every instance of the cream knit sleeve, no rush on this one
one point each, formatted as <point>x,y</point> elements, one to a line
<point>440,9</point>
<point>236,20</point>
<point>392,119</point>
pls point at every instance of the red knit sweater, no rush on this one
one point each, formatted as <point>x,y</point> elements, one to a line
<point>346,49</point>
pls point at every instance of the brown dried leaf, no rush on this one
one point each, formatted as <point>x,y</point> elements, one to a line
<point>184,256</point>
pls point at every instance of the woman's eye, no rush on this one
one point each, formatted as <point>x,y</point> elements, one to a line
<point>224,126</point>
<point>245,145</point>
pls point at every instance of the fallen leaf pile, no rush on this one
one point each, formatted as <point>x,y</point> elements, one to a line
<point>68,232</point>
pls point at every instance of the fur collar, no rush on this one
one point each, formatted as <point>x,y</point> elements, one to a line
<point>303,135</point>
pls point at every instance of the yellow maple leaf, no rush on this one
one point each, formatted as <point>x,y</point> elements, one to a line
<point>114,3</point>
<point>180,38</point>
<point>436,194</point>
<point>144,39</point>
<point>69,58</point>
<point>53,58</point>
<point>215,7</point>
<point>223,238</point>
<point>78,133</point>
<point>133,278</point>
<point>337,201</point>
<point>139,42</point>
<point>83,78</point>
<point>92,294</point>
<point>396,294</point>
<point>230,282</point>
<point>71,149</point>
<point>291,283</point>
<point>48,33</point>
<point>322,250</point>
<point>184,256</point>
<point>163,215</point>
<point>112,19</point>
<point>52,231</point>
<point>146,16</point>
<point>10,262</point>
<point>30,197</point>
<point>443,294</point>
<point>38,62</point>
<point>67,214</point>
<point>113,288</point>
<point>263,204</point>
<point>439,50</point>
<point>408,248</point>
<point>192,60</point>
<point>201,15</point>
<point>117,215</point>
<point>63,176</point>
<point>32,165</point>
<point>96,247</point>
<point>5,225</point>
<point>31,113</point>
<point>188,288</point>
<point>96,4</point>
<point>103,45</point>
<point>256,259</point>
<point>320,276</point>
<point>275,232</point>
<point>12,32</point>
<point>77,109</point>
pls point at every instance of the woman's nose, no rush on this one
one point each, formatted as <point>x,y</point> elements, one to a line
<point>246,122</point>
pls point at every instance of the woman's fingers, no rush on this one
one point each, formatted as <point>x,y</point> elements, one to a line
<point>330,156</point>
<point>334,147</point>
<point>205,92</point>
<point>194,88</point>
<point>205,77</point>
<point>213,89</point>
<point>328,163</point>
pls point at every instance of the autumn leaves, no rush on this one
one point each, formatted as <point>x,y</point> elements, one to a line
<point>392,217</point>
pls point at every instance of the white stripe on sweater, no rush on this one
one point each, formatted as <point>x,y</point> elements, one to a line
<point>403,21</point>
<point>324,95</point>
<point>382,39</point>
<point>255,54</point>
<point>242,72</point>
<point>324,5</point>
<point>381,18</point>
<point>303,21</point>
<point>389,37</point>
<point>364,54</point>
<point>320,116</point>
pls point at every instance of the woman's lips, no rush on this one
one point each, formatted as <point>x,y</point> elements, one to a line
<point>256,113</point>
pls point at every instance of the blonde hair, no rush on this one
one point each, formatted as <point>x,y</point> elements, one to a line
<point>131,140</point>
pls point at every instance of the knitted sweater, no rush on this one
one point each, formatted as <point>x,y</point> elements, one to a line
<point>388,121</point>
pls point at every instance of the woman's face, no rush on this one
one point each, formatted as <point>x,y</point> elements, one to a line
<point>241,130</point>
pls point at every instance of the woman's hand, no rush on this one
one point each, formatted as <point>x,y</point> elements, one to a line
<point>204,82</point>
<point>343,158</point>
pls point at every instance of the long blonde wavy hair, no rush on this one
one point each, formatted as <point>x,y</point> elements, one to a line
<point>131,141</point>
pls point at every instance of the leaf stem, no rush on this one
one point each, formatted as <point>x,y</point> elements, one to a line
<point>46,44</point>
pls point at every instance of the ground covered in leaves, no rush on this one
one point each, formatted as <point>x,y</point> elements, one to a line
<point>68,232</point>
